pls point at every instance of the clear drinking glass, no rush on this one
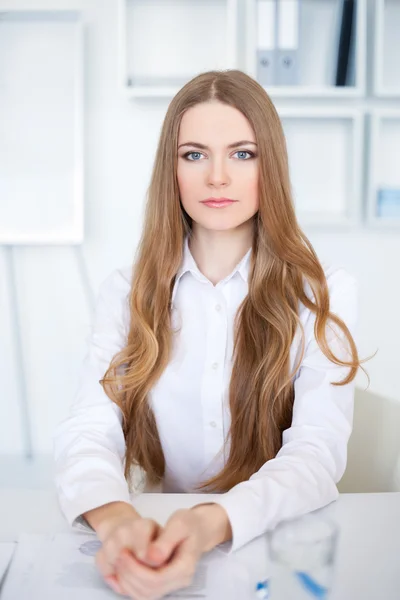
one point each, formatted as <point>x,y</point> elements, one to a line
<point>302,552</point>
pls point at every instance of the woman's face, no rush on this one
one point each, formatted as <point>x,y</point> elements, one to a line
<point>211,163</point>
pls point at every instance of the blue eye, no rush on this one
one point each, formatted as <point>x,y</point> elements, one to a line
<point>186,156</point>
<point>189,153</point>
<point>245,152</point>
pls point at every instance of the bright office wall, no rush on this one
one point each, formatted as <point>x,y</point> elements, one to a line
<point>120,141</point>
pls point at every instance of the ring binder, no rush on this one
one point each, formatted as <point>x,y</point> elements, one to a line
<point>266,41</point>
<point>346,36</point>
<point>288,42</point>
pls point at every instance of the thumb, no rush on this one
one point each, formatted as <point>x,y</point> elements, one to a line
<point>161,549</point>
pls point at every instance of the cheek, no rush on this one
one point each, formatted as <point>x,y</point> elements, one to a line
<point>187,178</point>
<point>191,187</point>
<point>250,190</point>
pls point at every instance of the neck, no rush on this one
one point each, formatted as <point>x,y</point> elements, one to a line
<point>218,252</point>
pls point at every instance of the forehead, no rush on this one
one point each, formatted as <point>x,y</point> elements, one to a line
<point>214,120</point>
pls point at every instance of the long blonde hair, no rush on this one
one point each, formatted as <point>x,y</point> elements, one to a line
<point>282,260</point>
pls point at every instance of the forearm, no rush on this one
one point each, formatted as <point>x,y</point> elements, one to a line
<point>216,524</point>
<point>101,518</point>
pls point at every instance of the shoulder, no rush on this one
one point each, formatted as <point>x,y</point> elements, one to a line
<point>113,295</point>
<point>340,282</point>
<point>343,295</point>
<point>117,282</point>
<point>338,278</point>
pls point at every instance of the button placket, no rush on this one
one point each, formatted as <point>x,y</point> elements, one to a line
<point>212,397</point>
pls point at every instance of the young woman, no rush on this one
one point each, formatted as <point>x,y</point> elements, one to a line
<point>224,361</point>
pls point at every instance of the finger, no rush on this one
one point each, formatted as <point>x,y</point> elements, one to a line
<point>107,570</point>
<point>114,584</point>
<point>133,588</point>
<point>180,571</point>
<point>105,567</point>
<point>151,530</point>
<point>128,567</point>
<point>135,537</point>
<point>174,533</point>
<point>156,583</point>
<point>105,558</point>
<point>141,553</point>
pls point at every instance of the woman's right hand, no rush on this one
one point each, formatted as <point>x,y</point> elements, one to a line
<point>125,529</point>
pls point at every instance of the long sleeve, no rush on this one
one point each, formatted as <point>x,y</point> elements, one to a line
<point>89,445</point>
<point>303,475</point>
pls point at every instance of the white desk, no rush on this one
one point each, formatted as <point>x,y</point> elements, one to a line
<point>368,563</point>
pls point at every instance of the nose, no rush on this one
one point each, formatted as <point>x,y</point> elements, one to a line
<point>217,174</point>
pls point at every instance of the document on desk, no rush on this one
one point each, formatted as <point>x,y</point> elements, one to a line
<point>6,552</point>
<point>61,565</point>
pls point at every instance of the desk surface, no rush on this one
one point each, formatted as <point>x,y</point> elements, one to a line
<point>369,542</point>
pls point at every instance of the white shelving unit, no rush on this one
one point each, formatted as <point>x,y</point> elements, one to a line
<point>319,31</point>
<point>194,36</point>
<point>325,142</point>
<point>325,149</point>
<point>387,48</point>
<point>41,91</point>
<point>383,168</point>
<point>214,27</point>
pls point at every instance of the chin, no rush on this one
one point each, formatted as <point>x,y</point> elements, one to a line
<point>219,224</point>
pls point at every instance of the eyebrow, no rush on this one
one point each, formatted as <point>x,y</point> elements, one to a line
<point>203,147</point>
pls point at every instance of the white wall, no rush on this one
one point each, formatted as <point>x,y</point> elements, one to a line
<point>121,139</point>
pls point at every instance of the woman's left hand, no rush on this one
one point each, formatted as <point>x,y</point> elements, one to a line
<point>171,559</point>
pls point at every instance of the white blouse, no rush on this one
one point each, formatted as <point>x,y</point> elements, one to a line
<point>191,406</point>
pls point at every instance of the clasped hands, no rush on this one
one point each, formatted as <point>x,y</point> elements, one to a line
<point>145,561</point>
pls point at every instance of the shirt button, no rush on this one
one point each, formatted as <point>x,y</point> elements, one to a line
<point>215,366</point>
<point>213,424</point>
<point>218,307</point>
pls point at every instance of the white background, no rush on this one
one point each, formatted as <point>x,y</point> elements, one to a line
<point>120,143</point>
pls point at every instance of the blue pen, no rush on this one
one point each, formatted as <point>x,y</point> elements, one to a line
<point>315,589</point>
<point>262,590</point>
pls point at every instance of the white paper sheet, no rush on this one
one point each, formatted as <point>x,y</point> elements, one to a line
<point>6,552</point>
<point>60,566</point>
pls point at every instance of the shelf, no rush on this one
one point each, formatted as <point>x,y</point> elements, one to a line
<point>384,172</point>
<point>207,31</point>
<point>387,48</point>
<point>325,163</point>
<point>316,91</point>
<point>230,30</point>
<point>319,32</point>
<point>41,174</point>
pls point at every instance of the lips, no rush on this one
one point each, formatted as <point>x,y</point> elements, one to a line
<point>218,202</point>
